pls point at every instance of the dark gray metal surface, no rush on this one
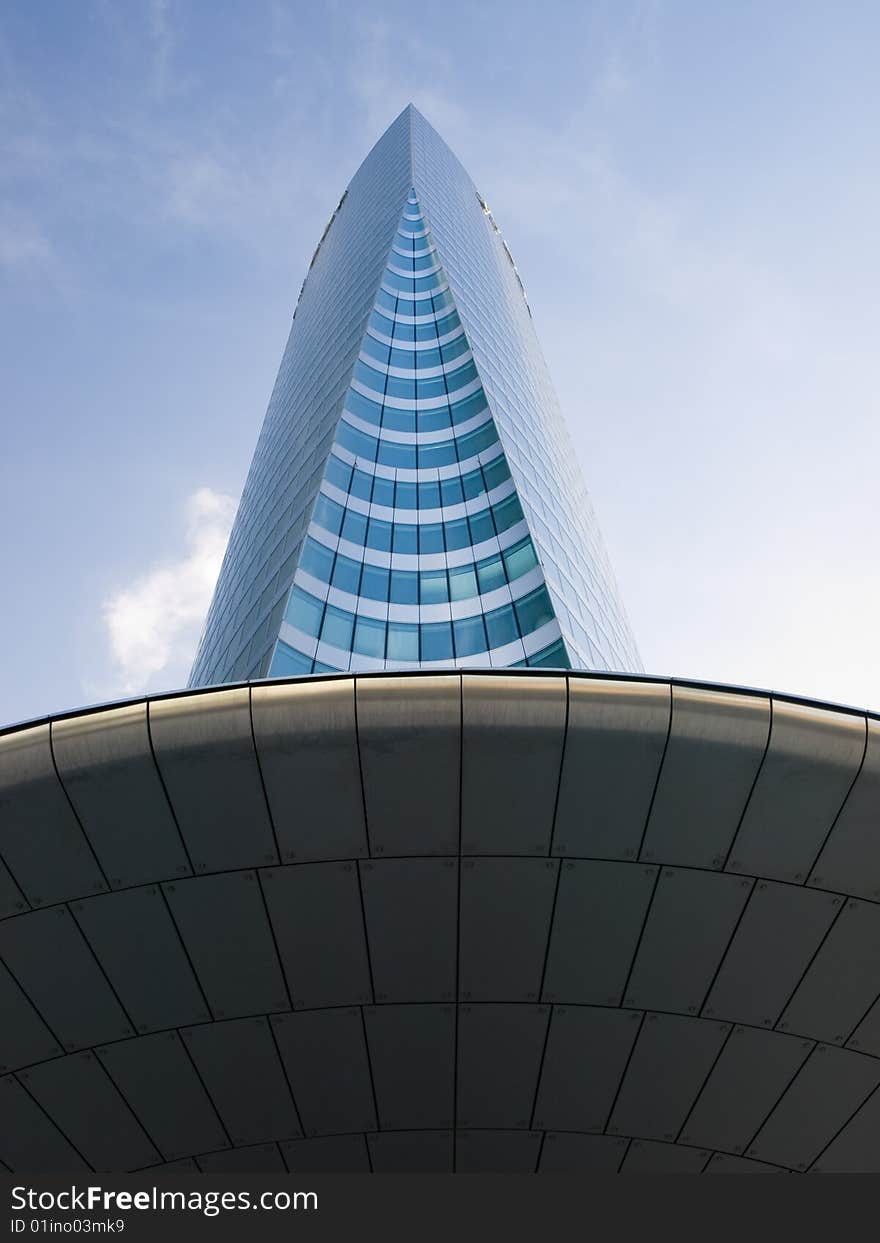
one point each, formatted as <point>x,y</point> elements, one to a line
<point>473,921</point>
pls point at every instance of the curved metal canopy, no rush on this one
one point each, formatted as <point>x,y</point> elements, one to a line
<point>477,921</point>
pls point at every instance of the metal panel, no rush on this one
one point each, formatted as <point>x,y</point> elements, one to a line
<point>24,1037</point>
<point>496,1152</point>
<point>29,1141</point>
<point>52,963</point>
<point>832,1084</point>
<point>512,742</point>
<point>587,1051</point>
<point>334,1154</point>
<point>753,1071</point>
<point>77,1093</point>
<point>412,1152</point>
<point>411,910</point>
<point>856,1150</point>
<point>255,1159</point>
<point>505,922</point>
<point>670,1062</point>
<point>716,744</point>
<point>224,927</point>
<point>866,1037</point>
<point>843,979</point>
<point>499,1057</point>
<point>600,910</point>
<point>106,765</point>
<point>780,931</point>
<point>319,925</point>
<point>411,1051</point>
<point>645,1156</point>
<point>325,1056</point>
<point>689,927</point>
<point>240,1067</point>
<point>567,1153</point>
<point>158,1081</point>
<point>12,900</point>
<point>812,757</point>
<point>410,745</point>
<point>723,1164</point>
<point>307,744</point>
<point>137,946</point>
<point>40,838</point>
<point>613,747</point>
<point>850,860</point>
<point>205,751</point>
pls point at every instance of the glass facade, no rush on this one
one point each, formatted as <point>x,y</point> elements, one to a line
<point>413,500</point>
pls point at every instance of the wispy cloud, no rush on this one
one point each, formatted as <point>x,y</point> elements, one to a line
<point>153,623</point>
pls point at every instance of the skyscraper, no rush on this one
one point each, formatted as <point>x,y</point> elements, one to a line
<point>413,499</point>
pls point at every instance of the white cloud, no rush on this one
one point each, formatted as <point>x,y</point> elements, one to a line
<point>153,623</point>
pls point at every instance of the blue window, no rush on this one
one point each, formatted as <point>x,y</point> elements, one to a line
<point>436,455</point>
<point>404,587</point>
<point>427,358</point>
<point>337,627</point>
<point>403,641</point>
<point>406,538</point>
<point>374,582</point>
<point>424,307</point>
<point>288,662</point>
<point>376,349</point>
<point>397,282</point>
<point>401,388</point>
<point>403,358</point>
<point>457,534</point>
<point>328,514</point>
<point>433,587</point>
<point>460,377</point>
<point>490,574</point>
<point>347,574</point>
<point>450,491</point>
<point>356,441</point>
<point>454,349</point>
<point>398,420</point>
<point>317,560</point>
<point>338,473</point>
<point>383,492</point>
<point>462,582</point>
<point>425,332</point>
<point>424,283</point>
<point>448,324</point>
<point>473,484</point>
<point>391,454</point>
<point>429,495</point>
<point>404,332</point>
<point>364,407</point>
<point>387,301</point>
<point>436,641</point>
<point>468,408</point>
<point>354,527</point>
<point>553,657</point>
<point>382,324</point>
<point>431,537</point>
<point>406,496</point>
<point>369,637</point>
<point>432,420</point>
<point>470,636</point>
<point>433,386</point>
<point>361,485</point>
<point>501,626</point>
<point>482,527</point>
<point>534,610</point>
<point>304,612</point>
<point>519,559</point>
<point>379,535</point>
<point>507,512</point>
<point>368,376</point>
<point>497,472</point>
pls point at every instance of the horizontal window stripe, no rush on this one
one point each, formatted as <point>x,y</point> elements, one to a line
<point>412,517</point>
<point>396,343</point>
<point>415,475</point>
<point>442,436</point>
<point>415,373</point>
<point>418,403</point>
<point>453,559</point>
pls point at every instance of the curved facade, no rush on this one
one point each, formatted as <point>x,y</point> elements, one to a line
<point>513,921</point>
<point>412,500</point>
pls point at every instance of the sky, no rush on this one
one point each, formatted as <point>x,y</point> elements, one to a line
<point>691,192</point>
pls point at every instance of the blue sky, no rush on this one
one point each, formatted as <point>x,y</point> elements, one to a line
<point>691,192</point>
